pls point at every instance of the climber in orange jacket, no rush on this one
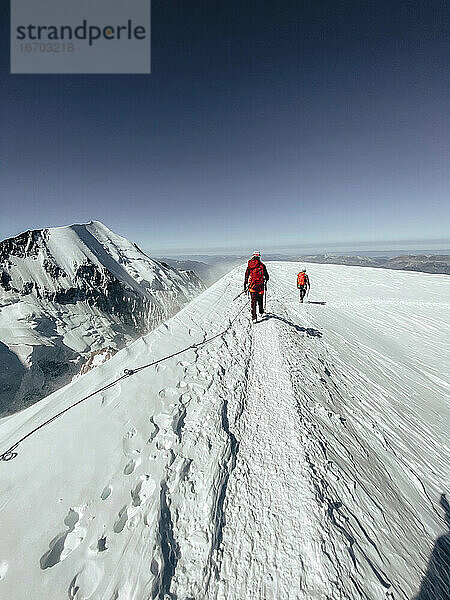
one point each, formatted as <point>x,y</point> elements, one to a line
<point>303,283</point>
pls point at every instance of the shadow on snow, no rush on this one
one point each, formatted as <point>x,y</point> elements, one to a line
<point>436,581</point>
<point>308,330</point>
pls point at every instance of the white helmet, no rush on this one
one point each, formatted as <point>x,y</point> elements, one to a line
<point>303,270</point>
<point>256,253</point>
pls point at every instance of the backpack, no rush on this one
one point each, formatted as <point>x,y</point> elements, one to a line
<point>301,279</point>
<point>256,276</point>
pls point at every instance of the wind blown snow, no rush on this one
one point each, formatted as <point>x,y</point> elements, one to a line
<point>301,458</point>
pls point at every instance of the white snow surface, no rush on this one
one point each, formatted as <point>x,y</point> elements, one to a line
<point>300,458</point>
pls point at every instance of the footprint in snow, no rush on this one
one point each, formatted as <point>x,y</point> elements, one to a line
<point>106,492</point>
<point>143,490</point>
<point>101,544</point>
<point>65,543</point>
<point>121,520</point>
<point>132,442</point>
<point>154,430</point>
<point>130,467</point>
<point>178,420</point>
<point>183,363</point>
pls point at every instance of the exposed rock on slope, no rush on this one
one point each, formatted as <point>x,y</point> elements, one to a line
<point>67,291</point>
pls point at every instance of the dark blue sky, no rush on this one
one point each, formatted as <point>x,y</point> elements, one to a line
<point>262,124</point>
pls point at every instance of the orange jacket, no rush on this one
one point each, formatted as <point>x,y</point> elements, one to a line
<point>302,279</point>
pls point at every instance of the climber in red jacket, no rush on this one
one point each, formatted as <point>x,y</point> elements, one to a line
<point>256,277</point>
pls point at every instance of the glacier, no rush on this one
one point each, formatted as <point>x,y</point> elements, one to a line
<point>305,457</point>
<point>69,292</point>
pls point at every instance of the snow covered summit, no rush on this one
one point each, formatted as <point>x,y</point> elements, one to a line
<point>303,458</point>
<point>67,291</point>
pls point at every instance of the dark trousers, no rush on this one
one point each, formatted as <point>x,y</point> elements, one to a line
<point>302,289</point>
<point>257,298</point>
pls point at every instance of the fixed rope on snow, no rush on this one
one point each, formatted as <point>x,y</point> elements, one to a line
<point>239,295</point>
<point>11,453</point>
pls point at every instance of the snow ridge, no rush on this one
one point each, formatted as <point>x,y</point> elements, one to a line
<point>303,458</point>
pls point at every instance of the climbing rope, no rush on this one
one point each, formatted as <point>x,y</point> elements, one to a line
<point>11,453</point>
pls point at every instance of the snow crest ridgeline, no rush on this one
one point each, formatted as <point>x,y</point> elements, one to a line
<point>304,458</point>
<point>69,291</point>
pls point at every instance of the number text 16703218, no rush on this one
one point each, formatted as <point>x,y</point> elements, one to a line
<point>31,47</point>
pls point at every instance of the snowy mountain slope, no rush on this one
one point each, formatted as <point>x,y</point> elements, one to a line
<point>303,458</point>
<point>67,291</point>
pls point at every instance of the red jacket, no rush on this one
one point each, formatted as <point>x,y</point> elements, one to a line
<point>258,288</point>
